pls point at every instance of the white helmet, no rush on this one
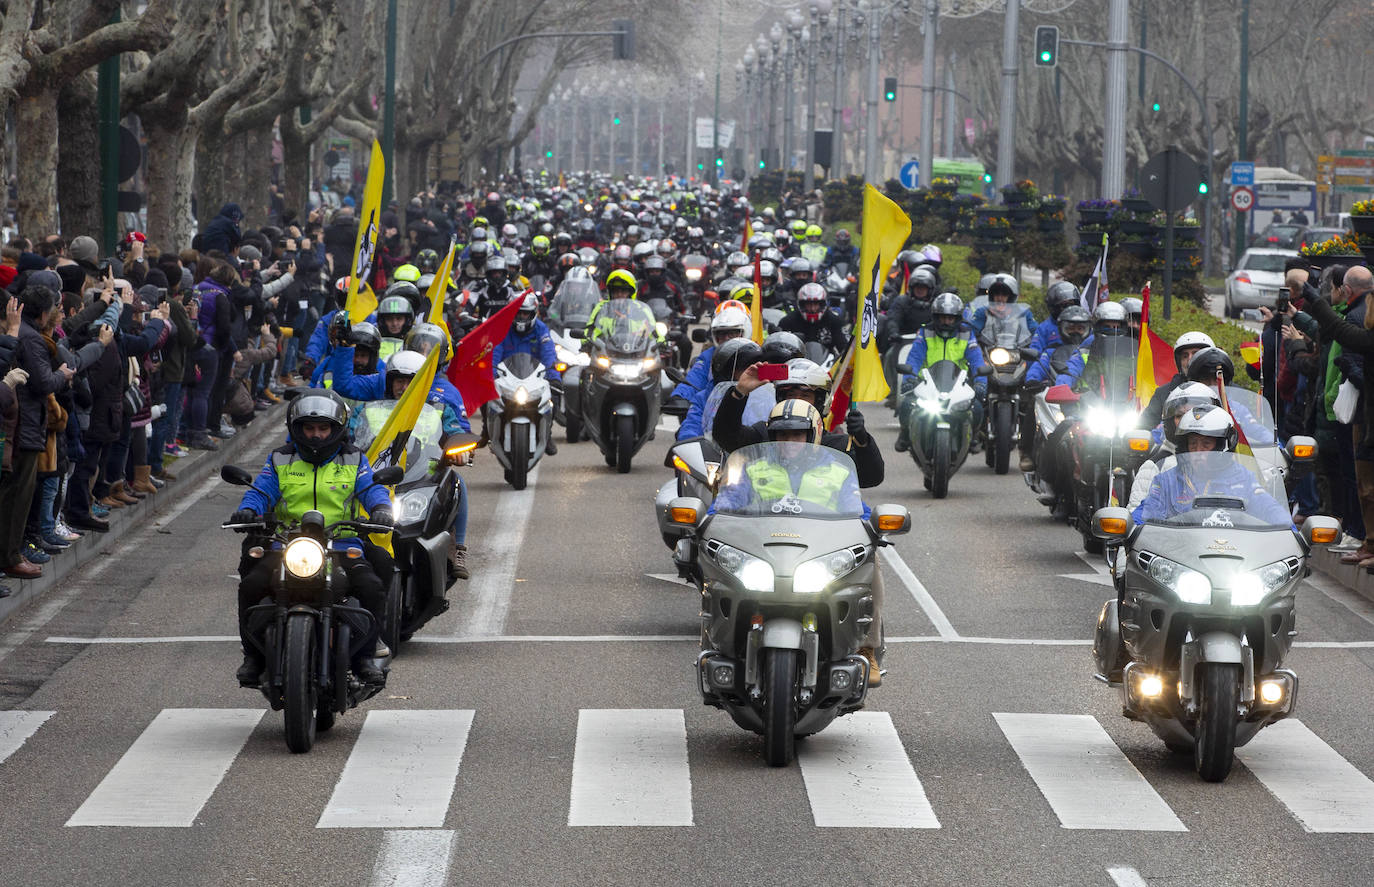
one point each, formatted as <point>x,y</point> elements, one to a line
<point>729,320</point>
<point>526,314</point>
<point>403,364</point>
<point>1183,399</point>
<point>1193,339</point>
<point>1208,421</point>
<point>803,373</point>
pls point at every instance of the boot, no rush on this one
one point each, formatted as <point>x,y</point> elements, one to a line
<point>111,501</point>
<point>875,674</point>
<point>164,475</point>
<point>902,443</point>
<point>250,672</point>
<point>458,559</point>
<point>550,448</point>
<point>120,490</point>
<point>269,396</point>
<point>143,480</point>
<point>1027,463</point>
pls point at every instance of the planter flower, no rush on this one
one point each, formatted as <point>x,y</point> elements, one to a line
<point>1020,193</point>
<point>1335,246</point>
<point>1362,217</point>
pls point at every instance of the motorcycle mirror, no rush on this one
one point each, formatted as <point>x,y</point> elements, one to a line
<point>295,391</point>
<point>700,335</point>
<point>891,520</point>
<point>686,511</point>
<point>235,475</point>
<point>905,369</point>
<point>1111,523</point>
<point>1301,448</point>
<point>392,474</point>
<point>1319,529</point>
<point>577,334</point>
<point>1061,394</point>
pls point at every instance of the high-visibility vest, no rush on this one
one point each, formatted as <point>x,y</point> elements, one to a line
<point>328,488</point>
<point>821,485</point>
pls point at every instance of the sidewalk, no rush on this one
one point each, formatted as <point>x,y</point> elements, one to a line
<point>190,470</point>
<point>1329,563</point>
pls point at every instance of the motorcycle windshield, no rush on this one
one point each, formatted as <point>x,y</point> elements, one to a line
<point>1253,416</point>
<point>1215,491</point>
<point>789,479</point>
<point>660,309</point>
<point>574,303</point>
<point>756,409</point>
<point>625,327</point>
<point>1006,327</point>
<point>944,373</point>
<point>521,365</point>
<point>1109,371</point>
<point>421,447</point>
<point>693,261</point>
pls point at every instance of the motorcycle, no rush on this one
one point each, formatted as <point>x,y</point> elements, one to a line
<point>312,628</point>
<point>571,309</point>
<point>1005,340</point>
<point>679,351</point>
<point>1196,640</point>
<point>823,356</point>
<point>701,299</point>
<point>696,464</point>
<point>938,416</point>
<point>616,398</point>
<point>520,419</point>
<point>841,291</point>
<point>782,622</point>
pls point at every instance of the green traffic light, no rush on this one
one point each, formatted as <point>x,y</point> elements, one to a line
<point>548,154</point>
<point>701,166</point>
<point>720,161</point>
<point>615,120</point>
<point>987,178</point>
<point>1202,188</point>
<point>1046,56</point>
<point>762,165</point>
<point>1155,106</point>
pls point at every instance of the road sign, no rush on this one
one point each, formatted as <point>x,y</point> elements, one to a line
<point>911,174</point>
<point>1243,173</point>
<point>1242,199</point>
<point>1170,179</point>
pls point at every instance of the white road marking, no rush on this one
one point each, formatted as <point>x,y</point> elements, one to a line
<point>1320,787</point>
<point>918,591</point>
<point>487,603</point>
<point>413,859</point>
<point>672,578</point>
<point>170,771</point>
<point>401,772</point>
<point>1124,876</point>
<point>1101,574</point>
<point>858,775</point>
<point>16,727</point>
<point>1351,600</point>
<point>1087,780</point>
<point>630,768</point>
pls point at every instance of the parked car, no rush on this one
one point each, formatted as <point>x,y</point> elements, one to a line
<point>1317,235</point>
<point>1256,280</point>
<point>1284,236</point>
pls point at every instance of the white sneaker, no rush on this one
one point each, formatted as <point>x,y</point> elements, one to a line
<point>1347,543</point>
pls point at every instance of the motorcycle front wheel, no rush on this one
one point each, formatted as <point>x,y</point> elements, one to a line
<point>779,715</point>
<point>393,615</point>
<point>573,424</point>
<point>519,457</point>
<point>301,690</point>
<point>1214,739</point>
<point>624,443</point>
<point>939,464</point>
<point>1001,434</point>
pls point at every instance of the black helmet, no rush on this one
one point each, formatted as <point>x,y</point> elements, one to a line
<point>366,335</point>
<point>1059,296</point>
<point>1074,322</point>
<point>909,259</point>
<point>317,405</point>
<point>424,336</point>
<point>586,227</point>
<point>396,306</point>
<point>780,347</point>
<point>842,237</point>
<point>1205,364</point>
<point>563,238</point>
<point>946,312</point>
<point>732,357</point>
<point>407,290</point>
<point>427,260</point>
<point>922,277</point>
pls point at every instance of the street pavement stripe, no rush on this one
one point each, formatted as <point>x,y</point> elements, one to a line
<point>918,591</point>
<point>493,582</point>
<point>630,768</point>
<point>414,859</point>
<point>1087,780</point>
<point>16,727</point>
<point>170,771</point>
<point>858,775</point>
<point>401,772</point>
<point>1320,787</point>
<point>1125,876</point>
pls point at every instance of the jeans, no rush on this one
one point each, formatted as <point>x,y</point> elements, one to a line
<point>79,492</point>
<point>288,357</point>
<point>16,491</point>
<point>164,429</point>
<point>44,498</point>
<point>207,361</point>
<point>460,522</point>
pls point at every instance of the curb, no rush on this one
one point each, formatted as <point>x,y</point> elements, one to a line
<point>190,471</point>
<point>1329,564</point>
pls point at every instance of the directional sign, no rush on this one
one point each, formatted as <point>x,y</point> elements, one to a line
<point>1242,199</point>
<point>911,174</point>
<point>1243,173</point>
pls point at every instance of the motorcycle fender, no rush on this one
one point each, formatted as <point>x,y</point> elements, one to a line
<point>1220,646</point>
<point>782,634</point>
<point>436,554</point>
<point>624,409</point>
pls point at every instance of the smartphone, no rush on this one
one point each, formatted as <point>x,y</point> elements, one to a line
<point>1281,306</point>
<point>772,372</point>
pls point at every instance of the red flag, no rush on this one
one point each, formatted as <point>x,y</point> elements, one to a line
<point>841,386</point>
<point>470,369</point>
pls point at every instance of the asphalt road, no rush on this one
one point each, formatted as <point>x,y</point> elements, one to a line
<point>547,730</point>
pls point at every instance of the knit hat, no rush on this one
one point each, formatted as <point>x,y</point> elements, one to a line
<point>249,253</point>
<point>85,252</point>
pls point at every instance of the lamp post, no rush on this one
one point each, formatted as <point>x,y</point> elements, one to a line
<point>1006,130</point>
<point>820,17</point>
<point>871,94</point>
<point>836,111</point>
<point>928,93</point>
<point>775,63</point>
<point>789,59</point>
<point>749,61</point>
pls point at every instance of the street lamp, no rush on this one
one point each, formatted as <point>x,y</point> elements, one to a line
<point>774,59</point>
<point>820,17</point>
<point>794,23</point>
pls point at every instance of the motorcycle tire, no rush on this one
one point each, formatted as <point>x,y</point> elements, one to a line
<point>779,714</point>
<point>1001,434</point>
<point>573,424</point>
<point>940,458</point>
<point>393,614</point>
<point>1214,737</point>
<point>624,443</point>
<point>519,458</point>
<point>301,689</point>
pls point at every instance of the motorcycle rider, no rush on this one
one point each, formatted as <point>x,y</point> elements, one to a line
<point>494,294</point>
<point>730,321</point>
<point>658,286</point>
<point>792,422</point>
<point>942,339</point>
<point>909,311</point>
<point>473,267</point>
<point>1061,364</point>
<point>1003,290</point>
<point>395,316</point>
<point>811,322</point>
<point>620,287</point>
<point>1135,310</point>
<point>529,335</point>
<point>1185,347</point>
<point>1184,399</point>
<point>728,361</point>
<point>539,261</point>
<point>842,252</point>
<point>1111,353</point>
<point>1059,296</point>
<point>813,249</point>
<point>316,470</point>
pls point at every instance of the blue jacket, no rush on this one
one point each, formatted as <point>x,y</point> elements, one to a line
<point>692,422</point>
<point>973,355</point>
<point>318,348</point>
<point>373,387</point>
<point>537,343</point>
<point>265,493</point>
<point>980,318</point>
<point>838,254</point>
<point>1046,336</point>
<point>698,375</point>
<point>1173,491</point>
<point>1043,368</point>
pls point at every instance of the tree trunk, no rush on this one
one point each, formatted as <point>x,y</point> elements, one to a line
<point>209,163</point>
<point>35,119</point>
<point>171,174</point>
<point>78,159</point>
<point>256,166</point>
<point>295,169</point>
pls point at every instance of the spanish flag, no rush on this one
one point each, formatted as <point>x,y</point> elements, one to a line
<point>438,287</point>
<point>1154,359</point>
<point>361,304</point>
<point>1250,352</point>
<point>747,235</point>
<point>756,303</point>
<point>885,230</point>
<point>1242,442</point>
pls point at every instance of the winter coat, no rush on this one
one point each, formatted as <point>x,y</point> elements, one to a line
<point>9,425</point>
<point>37,355</point>
<point>57,424</point>
<point>181,340</point>
<point>216,315</point>
<point>106,378</point>
<point>239,400</point>
<point>1355,338</point>
<point>223,231</point>
<point>9,351</point>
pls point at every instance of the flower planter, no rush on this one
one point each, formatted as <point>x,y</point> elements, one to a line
<point>1055,226</point>
<point>1131,226</point>
<point>1090,239</point>
<point>1323,262</point>
<point>1137,204</point>
<point>1020,214</point>
<point>1362,224</point>
<point>1142,248</point>
<point>1015,198</point>
<point>1092,216</point>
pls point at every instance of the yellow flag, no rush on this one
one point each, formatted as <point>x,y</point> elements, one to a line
<point>360,304</point>
<point>438,288</point>
<point>407,410</point>
<point>885,230</point>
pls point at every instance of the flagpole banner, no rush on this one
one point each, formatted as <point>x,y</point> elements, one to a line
<point>1154,361</point>
<point>885,230</point>
<point>438,287</point>
<point>1095,290</point>
<point>756,303</point>
<point>470,369</point>
<point>359,307</point>
<point>407,409</point>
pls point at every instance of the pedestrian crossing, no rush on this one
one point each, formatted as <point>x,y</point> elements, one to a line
<point>633,768</point>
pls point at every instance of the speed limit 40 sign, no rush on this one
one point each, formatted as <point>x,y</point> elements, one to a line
<point>1242,199</point>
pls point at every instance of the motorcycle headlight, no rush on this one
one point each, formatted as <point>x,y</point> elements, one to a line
<point>412,506</point>
<point>522,396</point>
<point>999,356</point>
<point>1190,586</point>
<point>1100,421</point>
<point>661,328</point>
<point>694,274</point>
<point>604,362</point>
<point>303,557</point>
<point>626,369</point>
<point>650,364</point>
<point>564,355</point>
<point>754,574</point>
<point>1249,588</point>
<point>814,575</point>
<point>930,405</point>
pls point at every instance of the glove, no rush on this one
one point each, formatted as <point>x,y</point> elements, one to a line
<point>306,368</point>
<point>382,517</point>
<point>243,516</point>
<point>854,423</point>
<point>16,377</point>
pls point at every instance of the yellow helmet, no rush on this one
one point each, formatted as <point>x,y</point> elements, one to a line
<point>624,278</point>
<point>795,415</point>
<point>407,272</point>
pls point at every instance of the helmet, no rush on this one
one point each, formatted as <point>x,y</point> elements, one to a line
<point>1183,399</point>
<point>1134,308</point>
<point>642,250</point>
<point>801,269</point>
<point>1192,339</point>
<point>947,311</point>
<point>983,283</point>
<point>732,303</point>
<point>1074,321</point>
<point>798,228</point>
<point>1004,283</point>
<point>396,306</point>
<point>842,237</point>
<point>782,237</point>
<point>632,234</point>
<point>621,255</point>
<point>728,321</point>
<point>759,242</point>
<point>1109,319</point>
<point>621,279</point>
<point>655,264</point>
<point>1207,421</point>
<point>586,227</point>
<point>479,229</point>
<point>814,233</point>
<point>795,415</point>
<point>933,254</point>
<point>732,357</point>
<point>806,375</point>
<point>1207,363</point>
<point>366,335</point>
<point>568,261</point>
<point>403,365</point>
<point>408,273</point>
<point>317,405</point>
<point>780,347</point>
<point>736,260</point>
<point>771,254</point>
<point>768,272</point>
<point>909,259</point>
<point>497,264</point>
<point>563,238</point>
<point>666,247</point>
<point>427,260</point>
<point>426,336</point>
<point>526,314</point>
<point>1059,296</point>
<point>493,197</point>
<point>540,245</point>
<point>509,232</point>
<point>405,290</point>
<point>921,277</point>
<point>478,252</point>
<point>811,301</point>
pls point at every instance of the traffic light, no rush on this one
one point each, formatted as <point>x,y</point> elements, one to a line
<point>700,167</point>
<point>623,43</point>
<point>548,155</point>
<point>890,89</point>
<point>616,120</point>
<point>987,178</point>
<point>720,161</point>
<point>1202,188</point>
<point>1155,107</point>
<point>763,164</point>
<point>1046,46</point>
